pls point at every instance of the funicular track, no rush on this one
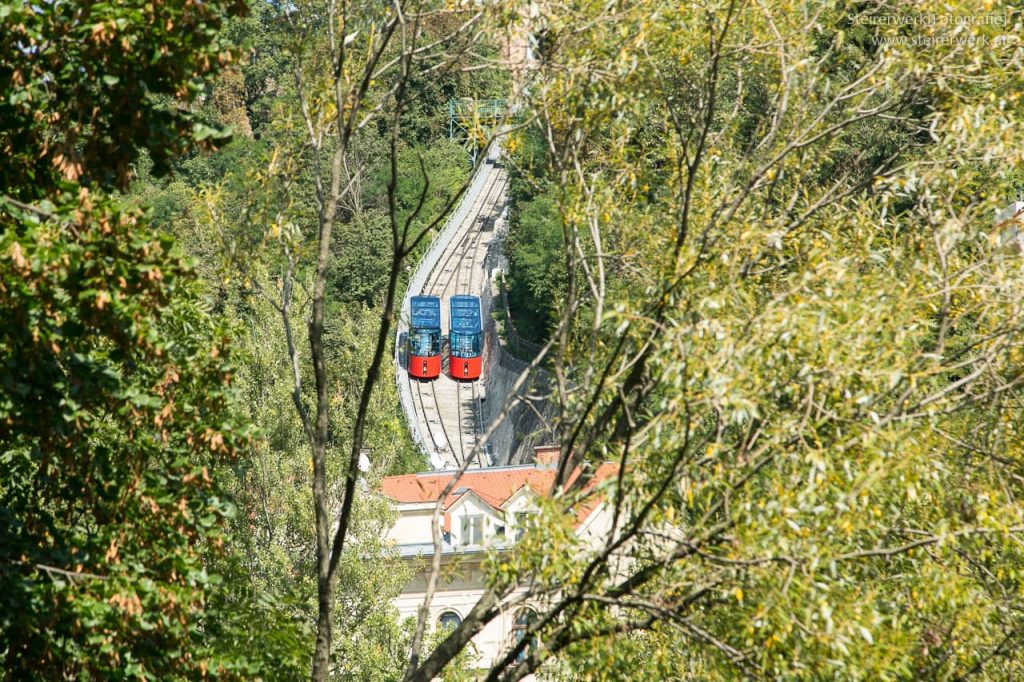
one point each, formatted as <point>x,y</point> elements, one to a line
<point>448,411</point>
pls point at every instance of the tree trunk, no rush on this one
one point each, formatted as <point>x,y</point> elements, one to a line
<point>322,652</point>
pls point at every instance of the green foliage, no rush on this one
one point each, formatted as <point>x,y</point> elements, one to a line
<point>362,256</point>
<point>798,330</point>
<point>115,409</point>
<point>537,275</point>
<point>244,214</point>
<point>118,422</point>
<point>362,250</point>
<point>264,64</point>
<point>87,84</point>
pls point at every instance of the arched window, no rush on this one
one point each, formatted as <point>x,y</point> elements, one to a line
<point>523,620</point>
<point>449,620</point>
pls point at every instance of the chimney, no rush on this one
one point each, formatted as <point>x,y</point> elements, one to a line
<point>546,456</point>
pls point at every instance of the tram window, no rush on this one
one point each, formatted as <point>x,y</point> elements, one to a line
<point>425,343</point>
<point>465,345</point>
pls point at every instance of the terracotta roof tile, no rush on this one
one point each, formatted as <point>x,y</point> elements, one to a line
<point>494,486</point>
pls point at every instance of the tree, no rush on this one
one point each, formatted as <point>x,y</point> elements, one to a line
<point>363,48</point>
<point>356,69</point>
<point>786,315</point>
<point>108,444</point>
<point>790,319</point>
<point>90,84</point>
<point>116,394</point>
<point>536,265</point>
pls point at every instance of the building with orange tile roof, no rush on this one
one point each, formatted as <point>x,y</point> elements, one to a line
<point>485,510</point>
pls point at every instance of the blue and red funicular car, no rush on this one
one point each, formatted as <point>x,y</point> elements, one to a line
<point>425,337</point>
<point>465,338</point>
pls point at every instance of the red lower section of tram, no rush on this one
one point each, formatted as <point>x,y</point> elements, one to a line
<point>464,368</point>
<point>428,367</point>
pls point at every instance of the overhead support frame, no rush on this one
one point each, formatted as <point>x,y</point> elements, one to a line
<point>473,122</point>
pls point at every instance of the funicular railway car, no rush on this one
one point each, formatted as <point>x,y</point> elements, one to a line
<point>425,337</point>
<point>466,337</point>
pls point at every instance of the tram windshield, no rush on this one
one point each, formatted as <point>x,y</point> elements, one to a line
<point>465,345</point>
<point>425,342</point>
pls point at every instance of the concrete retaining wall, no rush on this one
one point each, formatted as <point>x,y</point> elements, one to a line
<point>514,439</point>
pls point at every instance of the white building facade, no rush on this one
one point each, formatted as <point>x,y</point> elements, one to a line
<point>489,509</point>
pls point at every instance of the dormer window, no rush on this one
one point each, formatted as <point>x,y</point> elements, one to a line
<point>522,520</point>
<point>472,529</point>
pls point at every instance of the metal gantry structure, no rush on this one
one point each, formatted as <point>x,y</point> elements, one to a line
<point>473,121</point>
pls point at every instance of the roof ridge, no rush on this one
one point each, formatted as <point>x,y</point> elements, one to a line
<point>480,470</point>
